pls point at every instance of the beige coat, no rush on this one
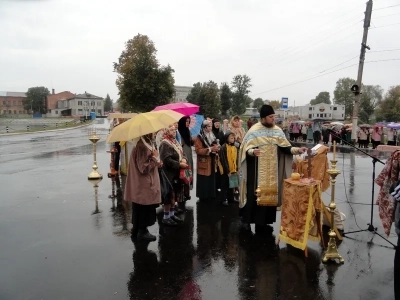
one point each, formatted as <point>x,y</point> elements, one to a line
<point>143,181</point>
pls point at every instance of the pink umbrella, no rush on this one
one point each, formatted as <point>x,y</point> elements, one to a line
<point>186,109</point>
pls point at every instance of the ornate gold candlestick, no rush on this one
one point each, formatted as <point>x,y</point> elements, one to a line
<point>94,174</point>
<point>332,251</point>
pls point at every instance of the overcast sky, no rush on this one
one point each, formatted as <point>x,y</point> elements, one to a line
<point>71,44</point>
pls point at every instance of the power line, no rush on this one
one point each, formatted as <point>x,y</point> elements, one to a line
<point>386,7</point>
<point>385,25</point>
<point>301,81</point>
<point>297,47</point>
<point>307,47</point>
<point>386,16</point>
<point>320,75</point>
<point>340,64</point>
<point>387,50</point>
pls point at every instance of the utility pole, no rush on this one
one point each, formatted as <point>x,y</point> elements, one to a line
<point>356,88</point>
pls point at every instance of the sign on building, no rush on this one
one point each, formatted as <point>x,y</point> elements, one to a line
<point>284,103</point>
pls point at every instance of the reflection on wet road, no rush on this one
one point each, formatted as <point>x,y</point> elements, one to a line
<point>62,240</point>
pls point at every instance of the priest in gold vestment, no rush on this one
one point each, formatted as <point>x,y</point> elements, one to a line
<point>265,159</point>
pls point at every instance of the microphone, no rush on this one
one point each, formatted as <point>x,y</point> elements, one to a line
<point>217,141</point>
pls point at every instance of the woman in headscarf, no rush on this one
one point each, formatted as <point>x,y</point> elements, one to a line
<point>236,127</point>
<point>171,154</point>
<point>207,153</point>
<point>217,131</point>
<point>143,187</point>
<point>187,143</point>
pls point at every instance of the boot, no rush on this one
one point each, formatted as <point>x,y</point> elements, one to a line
<point>145,235</point>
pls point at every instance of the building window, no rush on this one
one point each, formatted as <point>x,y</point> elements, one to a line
<point>335,108</point>
<point>342,107</point>
<point>330,108</point>
<point>4,102</point>
<point>310,108</point>
<point>98,103</point>
<point>92,103</point>
<point>79,102</point>
<point>56,112</point>
<point>80,112</point>
<point>99,112</point>
<point>342,115</point>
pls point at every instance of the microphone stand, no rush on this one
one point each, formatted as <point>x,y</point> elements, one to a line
<point>371,227</point>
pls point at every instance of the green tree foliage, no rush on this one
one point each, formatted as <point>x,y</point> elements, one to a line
<point>371,97</point>
<point>323,97</point>
<point>249,101</point>
<point>343,95</point>
<point>36,98</point>
<point>194,95</point>
<point>210,102</point>
<point>226,98</point>
<point>276,104</point>
<point>389,108</point>
<point>108,103</point>
<point>143,84</point>
<point>258,102</point>
<point>240,88</point>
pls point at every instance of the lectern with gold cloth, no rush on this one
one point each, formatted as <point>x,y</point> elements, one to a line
<point>301,213</point>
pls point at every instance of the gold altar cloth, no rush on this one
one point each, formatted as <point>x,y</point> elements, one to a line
<point>301,213</point>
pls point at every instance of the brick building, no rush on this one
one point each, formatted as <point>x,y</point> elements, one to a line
<point>11,103</point>
<point>53,99</point>
<point>78,105</point>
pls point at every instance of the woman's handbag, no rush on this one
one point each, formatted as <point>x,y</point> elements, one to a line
<point>186,175</point>
<point>233,181</point>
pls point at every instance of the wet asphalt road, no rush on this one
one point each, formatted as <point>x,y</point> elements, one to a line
<point>57,242</point>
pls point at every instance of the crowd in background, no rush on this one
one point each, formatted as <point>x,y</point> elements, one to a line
<point>366,136</point>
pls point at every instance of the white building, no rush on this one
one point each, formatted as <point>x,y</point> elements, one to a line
<point>181,92</point>
<point>330,112</point>
<point>79,105</point>
<point>334,112</point>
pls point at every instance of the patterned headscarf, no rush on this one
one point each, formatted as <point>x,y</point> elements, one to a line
<point>207,137</point>
<point>172,142</point>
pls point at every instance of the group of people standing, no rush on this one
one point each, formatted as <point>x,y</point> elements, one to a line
<point>158,161</point>
<point>308,133</point>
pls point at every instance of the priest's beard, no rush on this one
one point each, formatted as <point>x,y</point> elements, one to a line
<point>268,125</point>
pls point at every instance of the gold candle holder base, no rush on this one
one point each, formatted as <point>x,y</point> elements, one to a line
<point>332,252</point>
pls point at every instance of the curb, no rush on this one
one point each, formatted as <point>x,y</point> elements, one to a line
<point>41,131</point>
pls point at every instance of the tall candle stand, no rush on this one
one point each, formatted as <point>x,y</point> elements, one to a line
<point>332,251</point>
<point>94,139</point>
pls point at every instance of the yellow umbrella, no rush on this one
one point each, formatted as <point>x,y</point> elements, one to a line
<point>143,124</point>
<point>121,115</point>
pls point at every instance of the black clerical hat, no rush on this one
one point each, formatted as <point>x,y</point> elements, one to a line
<point>266,110</point>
